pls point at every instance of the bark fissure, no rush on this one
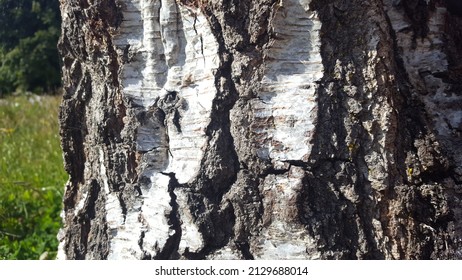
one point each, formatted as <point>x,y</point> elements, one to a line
<point>212,185</point>
<point>244,248</point>
<point>170,250</point>
<point>145,255</point>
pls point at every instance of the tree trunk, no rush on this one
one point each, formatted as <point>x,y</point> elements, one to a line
<point>262,129</point>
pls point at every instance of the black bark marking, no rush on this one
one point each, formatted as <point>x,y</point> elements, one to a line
<point>170,249</point>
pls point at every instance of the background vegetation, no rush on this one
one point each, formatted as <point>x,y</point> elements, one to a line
<point>32,177</point>
<point>29,31</point>
<point>31,169</point>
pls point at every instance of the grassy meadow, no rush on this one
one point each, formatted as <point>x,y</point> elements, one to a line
<point>32,177</point>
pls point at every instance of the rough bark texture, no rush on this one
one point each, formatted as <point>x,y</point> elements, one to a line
<point>263,129</point>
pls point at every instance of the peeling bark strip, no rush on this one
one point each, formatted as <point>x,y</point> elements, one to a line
<point>293,129</point>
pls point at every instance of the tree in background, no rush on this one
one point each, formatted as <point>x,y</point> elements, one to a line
<point>28,38</point>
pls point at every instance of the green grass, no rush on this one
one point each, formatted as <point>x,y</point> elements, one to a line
<point>32,177</point>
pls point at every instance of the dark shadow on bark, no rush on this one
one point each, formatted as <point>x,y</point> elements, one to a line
<point>339,223</point>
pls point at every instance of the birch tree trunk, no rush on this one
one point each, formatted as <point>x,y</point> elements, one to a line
<point>264,129</point>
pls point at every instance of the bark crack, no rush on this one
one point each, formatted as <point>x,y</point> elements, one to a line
<point>146,255</point>
<point>123,205</point>
<point>170,249</point>
<point>200,36</point>
<point>244,248</point>
<point>169,106</point>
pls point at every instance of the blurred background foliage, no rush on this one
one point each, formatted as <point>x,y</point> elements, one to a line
<point>29,32</point>
<point>32,176</point>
